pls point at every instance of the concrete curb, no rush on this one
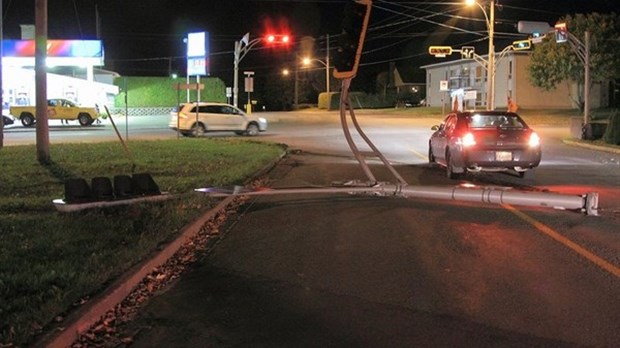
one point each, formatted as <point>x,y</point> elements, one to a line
<point>81,320</point>
<point>84,318</point>
<point>591,146</point>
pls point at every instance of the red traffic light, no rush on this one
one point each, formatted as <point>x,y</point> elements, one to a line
<point>275,39</point>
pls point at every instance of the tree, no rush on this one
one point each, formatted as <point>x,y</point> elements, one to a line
<point>554,62</point>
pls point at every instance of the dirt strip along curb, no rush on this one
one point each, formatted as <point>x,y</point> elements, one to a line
<point>80,321</point>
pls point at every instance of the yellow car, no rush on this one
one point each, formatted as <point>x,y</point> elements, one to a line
<point>57,109</point>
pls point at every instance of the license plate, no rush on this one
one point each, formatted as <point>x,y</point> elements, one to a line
<point>503,156</point>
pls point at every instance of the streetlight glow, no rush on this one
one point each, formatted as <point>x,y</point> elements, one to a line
<point>470,2</point>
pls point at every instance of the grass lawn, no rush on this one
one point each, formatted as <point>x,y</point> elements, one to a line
<point>51,260</point>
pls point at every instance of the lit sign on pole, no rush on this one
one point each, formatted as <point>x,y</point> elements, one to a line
<point>440,51</point>
<point>198,53</point>
<point>561,33</point>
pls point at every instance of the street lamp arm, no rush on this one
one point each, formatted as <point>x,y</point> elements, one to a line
<point>578,47</point>
<point>486,16</point>
<point>306,61</point>
<point>481,61</point>
<point>245,49</point>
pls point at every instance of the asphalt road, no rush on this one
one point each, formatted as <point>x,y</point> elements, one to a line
<point>341,270</point>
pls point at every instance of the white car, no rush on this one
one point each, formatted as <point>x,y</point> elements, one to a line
<point>195,119</point>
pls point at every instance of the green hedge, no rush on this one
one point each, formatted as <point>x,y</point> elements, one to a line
<point>359,100</point>
<point>161,92</point>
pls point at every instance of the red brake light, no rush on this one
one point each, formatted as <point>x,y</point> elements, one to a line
<point>468,140</point>
<point>534,140</point>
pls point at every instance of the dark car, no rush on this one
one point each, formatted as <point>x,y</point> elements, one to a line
<point>7,120</point>
<point>484,141</point>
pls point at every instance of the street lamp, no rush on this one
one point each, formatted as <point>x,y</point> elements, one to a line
<point>306,62</point>
<point>490,21</point>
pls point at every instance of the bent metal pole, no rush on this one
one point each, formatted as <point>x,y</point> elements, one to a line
<point>345,104</point>
<point>588,203</point>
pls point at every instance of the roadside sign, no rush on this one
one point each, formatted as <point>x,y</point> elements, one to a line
<point>470,95</point>
<point>467,52</point>
<point>190,86</point>
<point>440,51</point>
<point>443,85</point>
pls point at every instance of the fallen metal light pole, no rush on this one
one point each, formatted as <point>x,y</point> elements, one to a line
<point>588,203</point>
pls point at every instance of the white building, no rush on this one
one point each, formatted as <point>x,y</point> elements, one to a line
<point>469,78</point>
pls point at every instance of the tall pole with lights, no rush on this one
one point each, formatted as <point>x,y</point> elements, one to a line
<point>242,47</point>
<point>490,22</point>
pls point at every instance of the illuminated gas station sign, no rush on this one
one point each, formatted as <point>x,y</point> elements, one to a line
<point>59,52</point>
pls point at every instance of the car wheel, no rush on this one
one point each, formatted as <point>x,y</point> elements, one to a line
<point>198,130</point>
<point>27,119</point>
<point>252,130</point>
<point>85,119</point>
<point>526,175</point>
<point>431,157</point>
<point>450,167</point>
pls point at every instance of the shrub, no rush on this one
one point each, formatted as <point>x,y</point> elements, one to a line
<point>160,91</point>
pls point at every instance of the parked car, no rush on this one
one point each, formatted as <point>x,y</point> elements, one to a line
<point>484,141</point>
<point>57,109</point>
<point>194,119</point>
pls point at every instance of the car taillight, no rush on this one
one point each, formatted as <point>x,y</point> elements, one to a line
<point>534,140</point>
<point>182,115</point>
<point>468,140</point>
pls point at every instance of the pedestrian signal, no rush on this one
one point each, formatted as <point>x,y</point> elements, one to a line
<point>440,51</point>
<point>522,45</point>
<point>351,41</point>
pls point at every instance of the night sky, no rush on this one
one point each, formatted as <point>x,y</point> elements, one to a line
<point>146,37</point>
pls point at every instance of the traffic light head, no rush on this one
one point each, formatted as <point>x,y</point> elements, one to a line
<point>440,51</point>
<point>351,40</point>
<point>522,45</point>
<point>277,39</point>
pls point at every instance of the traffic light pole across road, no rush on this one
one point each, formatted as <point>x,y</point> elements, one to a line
<point>242,47</point>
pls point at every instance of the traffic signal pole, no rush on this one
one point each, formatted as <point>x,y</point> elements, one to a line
<point>242,47</point>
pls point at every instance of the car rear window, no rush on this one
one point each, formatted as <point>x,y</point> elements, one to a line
<point>493,121</point>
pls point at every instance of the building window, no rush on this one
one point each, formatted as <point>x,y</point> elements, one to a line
<point>478,76</point>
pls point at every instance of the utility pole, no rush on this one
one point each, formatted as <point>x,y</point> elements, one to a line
<point>40,73</point>
<point>327,67</point>
<point>1,101</point>
<point>491,61</point>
